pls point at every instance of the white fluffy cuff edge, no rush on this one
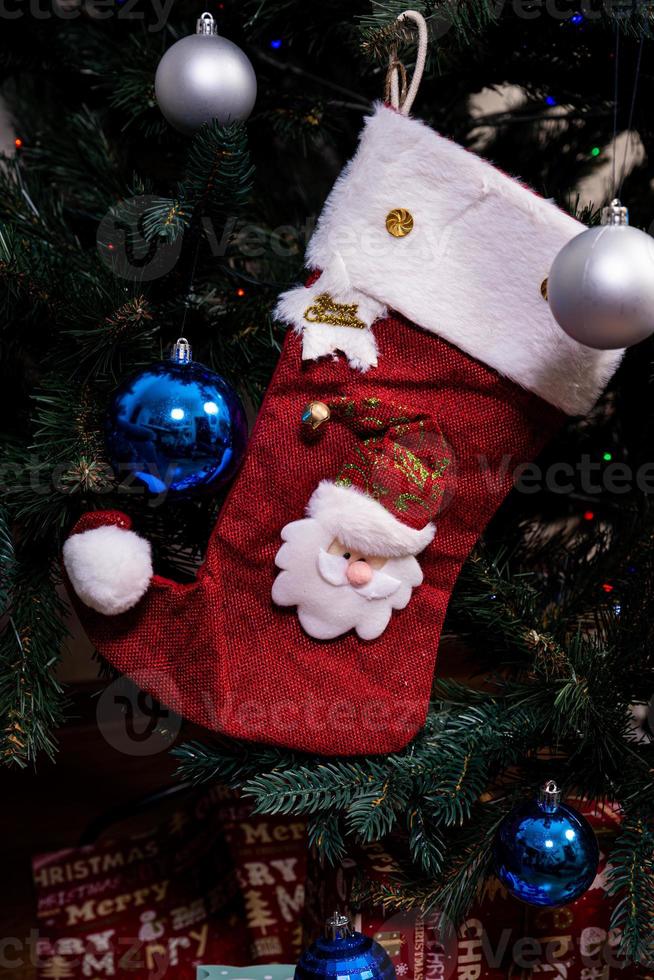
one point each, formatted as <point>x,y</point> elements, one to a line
<point>470,271</point>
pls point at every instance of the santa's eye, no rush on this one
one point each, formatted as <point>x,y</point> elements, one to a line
<point>347,555</point>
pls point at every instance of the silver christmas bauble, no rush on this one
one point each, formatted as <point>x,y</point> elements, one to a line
<point>601,284</point>
<point>204,77</point>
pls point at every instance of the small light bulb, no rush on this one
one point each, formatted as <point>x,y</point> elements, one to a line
<point>177,414</point>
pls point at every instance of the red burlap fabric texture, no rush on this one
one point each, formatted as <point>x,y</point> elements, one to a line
<point>222,654</point>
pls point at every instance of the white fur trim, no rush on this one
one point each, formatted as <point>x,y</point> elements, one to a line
<point>322,339</point>
<point>109,567</point>
<point>363,524</point>
<point>471,269</point>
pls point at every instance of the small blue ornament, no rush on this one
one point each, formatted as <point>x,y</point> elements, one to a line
<point>176,426</point>
<point>545,852</point>
<point>344,954</point>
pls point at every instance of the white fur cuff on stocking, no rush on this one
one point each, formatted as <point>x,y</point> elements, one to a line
<point>420,226</point>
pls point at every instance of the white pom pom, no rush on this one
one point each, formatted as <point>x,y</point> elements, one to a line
<point>109,567</point>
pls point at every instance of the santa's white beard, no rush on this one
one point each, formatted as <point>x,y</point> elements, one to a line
<point>327,605</point>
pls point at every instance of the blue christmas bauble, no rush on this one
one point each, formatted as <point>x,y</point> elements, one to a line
<point>546,852</point>
<point>344,954</point>
<point>176,427</point>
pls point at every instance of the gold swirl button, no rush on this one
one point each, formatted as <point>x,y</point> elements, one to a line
<point>399,222</point>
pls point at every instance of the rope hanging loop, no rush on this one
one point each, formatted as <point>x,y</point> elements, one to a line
<point>398,94</point>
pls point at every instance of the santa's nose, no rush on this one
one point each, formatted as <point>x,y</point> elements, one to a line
<point>359,573</point>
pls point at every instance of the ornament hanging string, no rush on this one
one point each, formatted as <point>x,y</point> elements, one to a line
<point>616,79</point>
<point>631,113</point>
<point>398,94</point>
<point>617,188</point>
<point>191,280</point>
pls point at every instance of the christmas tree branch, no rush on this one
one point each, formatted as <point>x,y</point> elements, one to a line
<point>31,699</point>
<point>631,879</point>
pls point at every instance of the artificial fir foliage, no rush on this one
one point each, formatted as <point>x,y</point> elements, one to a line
<point>556,603</point>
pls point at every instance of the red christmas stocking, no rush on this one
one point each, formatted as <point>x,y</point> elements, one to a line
<point>432,367</point>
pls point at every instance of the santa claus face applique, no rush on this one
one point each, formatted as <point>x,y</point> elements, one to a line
<point>337,589</point>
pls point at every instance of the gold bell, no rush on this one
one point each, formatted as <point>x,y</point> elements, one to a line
<point>315,414</point>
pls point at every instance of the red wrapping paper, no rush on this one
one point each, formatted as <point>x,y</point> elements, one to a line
<point>208,885</point>
<point>213,884</point>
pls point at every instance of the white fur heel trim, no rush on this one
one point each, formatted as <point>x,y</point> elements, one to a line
<point>110,568</point>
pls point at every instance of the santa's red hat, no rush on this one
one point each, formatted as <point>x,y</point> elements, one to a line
<point>391,485</point>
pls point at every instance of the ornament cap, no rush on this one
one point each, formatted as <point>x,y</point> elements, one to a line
<point>181,352</point>
<point>206,24</point>
<point>549,796</point>
<point>338,926</point>
<point>615,214</point>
